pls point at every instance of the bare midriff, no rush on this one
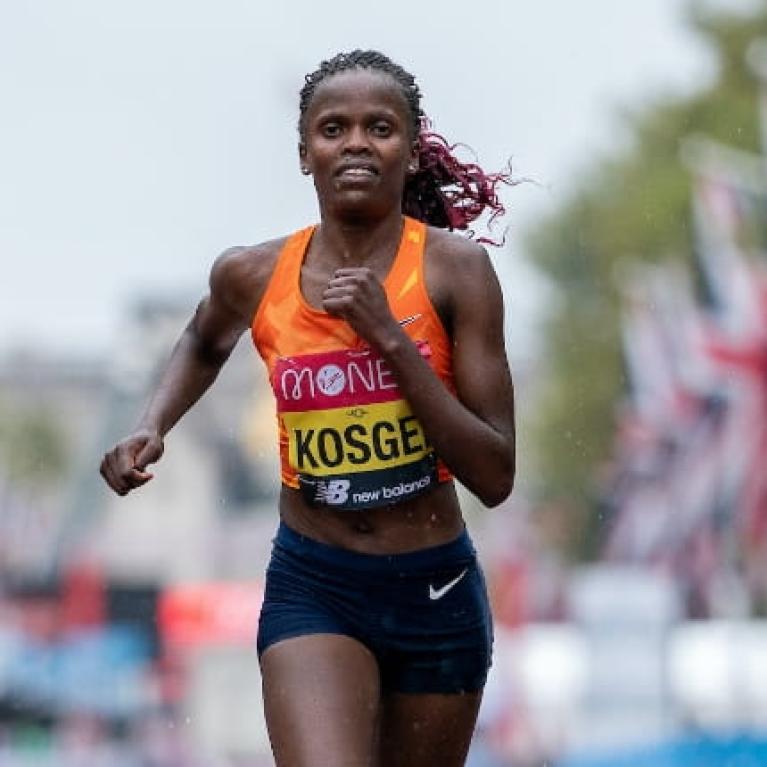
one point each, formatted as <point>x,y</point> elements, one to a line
<point>430,519</point>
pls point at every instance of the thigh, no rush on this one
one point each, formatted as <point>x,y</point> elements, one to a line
<point>425,729</point>
<point>321,699</point>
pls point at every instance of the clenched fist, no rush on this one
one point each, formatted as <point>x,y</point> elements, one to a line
<point>357,296</point>
<point>124,466</point>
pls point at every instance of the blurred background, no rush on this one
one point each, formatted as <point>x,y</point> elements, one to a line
<point>628,572</point>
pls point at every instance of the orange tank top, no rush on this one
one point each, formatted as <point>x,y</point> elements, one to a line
<point>348,438</point>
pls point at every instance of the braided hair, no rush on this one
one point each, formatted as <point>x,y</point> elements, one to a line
<point>444,191</point>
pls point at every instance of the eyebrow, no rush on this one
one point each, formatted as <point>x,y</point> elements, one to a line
<point>336,113</point>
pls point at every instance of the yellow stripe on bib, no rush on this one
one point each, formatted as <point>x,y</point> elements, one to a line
<point>350,440</point>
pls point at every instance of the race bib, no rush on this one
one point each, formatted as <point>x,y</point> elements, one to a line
<point>352,438</point>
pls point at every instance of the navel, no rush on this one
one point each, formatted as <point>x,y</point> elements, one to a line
<point>362,525</point>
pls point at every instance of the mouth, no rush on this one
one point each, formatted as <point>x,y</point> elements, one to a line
<point>357,171</point>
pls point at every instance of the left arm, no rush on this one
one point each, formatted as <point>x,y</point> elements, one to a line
<point>474,433</point>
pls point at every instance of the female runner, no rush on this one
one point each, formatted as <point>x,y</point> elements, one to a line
<point>383,336</point>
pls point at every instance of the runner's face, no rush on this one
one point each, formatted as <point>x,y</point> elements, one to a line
<point>358,142</point>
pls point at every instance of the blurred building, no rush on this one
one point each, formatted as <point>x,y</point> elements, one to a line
<point>83,568</point>
<point>211,510</point>
<point>202,520</point>
<point>51,416</point>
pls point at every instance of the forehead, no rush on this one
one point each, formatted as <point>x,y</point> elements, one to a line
<point>359,88</point>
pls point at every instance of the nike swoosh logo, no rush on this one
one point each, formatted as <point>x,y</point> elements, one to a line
<point>440,592</point>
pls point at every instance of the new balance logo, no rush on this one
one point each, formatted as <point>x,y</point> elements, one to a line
<point>333,492</point>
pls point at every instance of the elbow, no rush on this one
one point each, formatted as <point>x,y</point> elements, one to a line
<point>496,495</point>
<point>208,352</point>
<point>500,488</point>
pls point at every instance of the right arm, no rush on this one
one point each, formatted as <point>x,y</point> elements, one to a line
<point>237,281</point>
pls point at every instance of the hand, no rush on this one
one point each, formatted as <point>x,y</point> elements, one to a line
<point>124,467</point>
<point>357,296</point>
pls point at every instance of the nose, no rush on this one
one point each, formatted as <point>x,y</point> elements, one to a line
<point>357,140</point>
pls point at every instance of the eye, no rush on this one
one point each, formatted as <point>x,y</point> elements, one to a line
<point>381,129</point>
<point>331,130</point>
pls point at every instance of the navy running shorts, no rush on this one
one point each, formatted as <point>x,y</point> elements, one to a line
<point>424,614</point>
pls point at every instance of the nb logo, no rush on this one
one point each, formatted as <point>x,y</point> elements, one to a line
<point>334,492</point>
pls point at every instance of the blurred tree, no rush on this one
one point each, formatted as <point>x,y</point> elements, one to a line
<point>632,205</point>
<point>33,451</point>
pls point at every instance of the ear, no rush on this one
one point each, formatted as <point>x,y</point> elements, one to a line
<point>302,159</point>
<point>413,161</point>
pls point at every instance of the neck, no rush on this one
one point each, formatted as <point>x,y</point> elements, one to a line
<point>358,240</point>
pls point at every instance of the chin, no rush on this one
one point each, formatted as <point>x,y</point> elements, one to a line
<point>362,209</point>
<point>359,204</point>
<point>368,200</point>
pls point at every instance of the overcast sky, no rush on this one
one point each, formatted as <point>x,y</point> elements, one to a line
<point>140,139</point>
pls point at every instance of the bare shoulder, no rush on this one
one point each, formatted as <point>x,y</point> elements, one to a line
<point>246,264</point>
<point>239,276</point>
<point>456,267</point>
<point>453,246</point>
